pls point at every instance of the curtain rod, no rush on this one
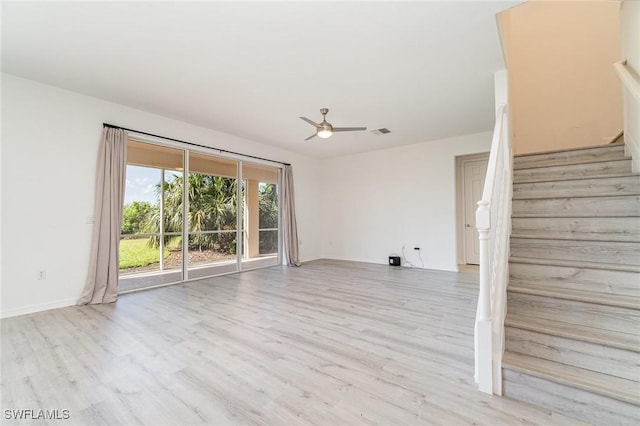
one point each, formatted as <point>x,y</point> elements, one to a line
<point>113,126</point>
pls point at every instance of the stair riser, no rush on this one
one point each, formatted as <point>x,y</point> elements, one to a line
<point>595,187</point>
<point>613,339</point>
<point>600,358</point>
<point>599,228</point>
<point>604,153</point>
<point>572,402</point>
<point>618,253</point>
<point>589,280</point>
<point>578,207</point>
<point>604,317</point>
<point>573,171</point>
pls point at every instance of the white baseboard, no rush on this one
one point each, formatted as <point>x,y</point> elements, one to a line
<point>446,268</point>
<point>39,307</point>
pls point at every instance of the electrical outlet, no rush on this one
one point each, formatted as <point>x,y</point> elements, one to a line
<point>90,220</point>
<point>42,275</point>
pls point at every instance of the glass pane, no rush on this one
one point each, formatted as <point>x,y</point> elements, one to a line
<point>269,242</point>
<point>268,199</point>
<point>260,215</point>
<point>137,255</point>
<point>150,255</point>
<point>210,248</point>
<point>140,216</point>
<point>172,219</point>
<point>213,213</point>
<point>173,253</point>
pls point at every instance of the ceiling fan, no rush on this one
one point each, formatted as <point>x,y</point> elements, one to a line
<point>325,130</point>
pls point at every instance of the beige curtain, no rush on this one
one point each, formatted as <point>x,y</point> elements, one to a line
<point>289,225</point>
<point>102,279</point>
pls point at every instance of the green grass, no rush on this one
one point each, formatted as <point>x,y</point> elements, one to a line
<point>134,253</point>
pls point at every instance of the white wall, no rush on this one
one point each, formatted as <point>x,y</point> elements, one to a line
<point>49,145</point>
<point>630,29</point>
<point>374,203</point>
<point>563,90</point>
<point>630,23</point>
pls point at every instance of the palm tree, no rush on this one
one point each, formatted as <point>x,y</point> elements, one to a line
<point>268,217</point>
<point>212,206</point>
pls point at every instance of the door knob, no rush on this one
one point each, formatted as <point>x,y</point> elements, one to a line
<point>468,226</point>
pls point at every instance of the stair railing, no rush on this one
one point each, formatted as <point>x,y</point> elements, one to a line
<point>493,222</point>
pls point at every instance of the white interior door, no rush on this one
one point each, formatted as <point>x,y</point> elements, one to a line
<point>474,172</point>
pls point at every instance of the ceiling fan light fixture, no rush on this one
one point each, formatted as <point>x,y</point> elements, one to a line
<point>324,133</point>
<point>325,130</point>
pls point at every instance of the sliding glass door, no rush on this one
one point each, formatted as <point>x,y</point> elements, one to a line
<point>260,229</point>
<point>189,215</point>
<point>213,215</point>
<point>151,233</point>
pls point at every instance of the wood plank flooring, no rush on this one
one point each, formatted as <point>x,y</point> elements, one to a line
<point>330,343</point>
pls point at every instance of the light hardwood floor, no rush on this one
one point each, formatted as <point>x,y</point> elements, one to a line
<point>330,343</point>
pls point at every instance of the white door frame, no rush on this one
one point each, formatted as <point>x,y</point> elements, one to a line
<point>460,202</point>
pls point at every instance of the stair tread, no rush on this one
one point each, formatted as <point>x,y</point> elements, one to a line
<point>603,384</point>
<point>627,184</point>
<point>577,163</point>
<point>538,237</point>
<point>576,352</point>
<point>571,278</point>
<point>583,148</point>
<point>623,301</point>
<point>564,239</point>
<point>575,264</point>
<point>573,237</point>
<point>580,179</point>
<point>615,339</point>
<point>556,215</point>
<point>570,157</point>
<point>604,176</point>
<point>571,206</point>
<point>610,252</point>
<point>553,215</point>
<point>575,178</point>
<point>603,317</point>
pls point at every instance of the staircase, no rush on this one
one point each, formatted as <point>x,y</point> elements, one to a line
<point>572,331</point>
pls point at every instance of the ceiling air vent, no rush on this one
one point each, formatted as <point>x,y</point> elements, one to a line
<point>382,131</point>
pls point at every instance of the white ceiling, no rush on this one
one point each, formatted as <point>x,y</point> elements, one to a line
<point>422,69</point>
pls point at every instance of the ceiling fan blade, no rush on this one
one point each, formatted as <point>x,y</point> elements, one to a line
<point>312,136</point>
<point>348,129</point>
<point>310,122</point>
